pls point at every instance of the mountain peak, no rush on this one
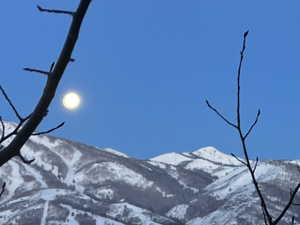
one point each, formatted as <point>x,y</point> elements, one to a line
<point>206,150</point>
<point>213,154</point>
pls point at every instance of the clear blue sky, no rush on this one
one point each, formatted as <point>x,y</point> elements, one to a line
<point>145,67</point>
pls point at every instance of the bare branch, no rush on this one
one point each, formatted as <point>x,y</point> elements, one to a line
<point>219,114</point>
<point>242,137</point>
<point>238,159</point>
<point>289,203</point>
<point>51,67</point>
<point>55,11</point>
<point>238,114</point>
<point>10,103</point>
<point>25,131</point>
<point>255,166</point>
<point>265,217</point>
<point>16,130</point>
<point>253,124</point>
<point>50,130</point>
<point>36,71</point>
<point>2,189</point>
<point>3,128</point>
<point>293,220</point>
<point>26,161</point>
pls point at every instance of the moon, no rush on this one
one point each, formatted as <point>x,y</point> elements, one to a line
<point>71,100</point>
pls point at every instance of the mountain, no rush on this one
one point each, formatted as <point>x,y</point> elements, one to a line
<point>70,183</point>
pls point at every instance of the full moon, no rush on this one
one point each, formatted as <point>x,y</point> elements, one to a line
<point>71,100</point>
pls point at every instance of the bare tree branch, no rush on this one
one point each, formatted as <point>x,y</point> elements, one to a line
<point>289,203</point>
<point>3,128</point>
<point>255,165</point>
<point>238,159</point>
<point>266,214</point>
<point>253,124</point>
<point>265,217</point>
<point>238,114</point>
<point>10,103</point>
<point>51,67</point>
<point>2,189</point>
<point>26,161</point>
<point>23,131</point>
<point>50,130</point>
<point>219,114</point>
<point>37,71</point>
<point>293,220</point>
<point>15,131</point>
<point>55,11</point>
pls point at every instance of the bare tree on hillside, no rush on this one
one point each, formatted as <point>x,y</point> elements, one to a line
<point>27,125</point>
<point>268,218</point>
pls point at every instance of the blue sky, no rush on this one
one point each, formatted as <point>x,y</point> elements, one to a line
<point>145,67</point>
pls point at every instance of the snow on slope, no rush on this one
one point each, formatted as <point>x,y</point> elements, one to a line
<point>131,213</point>
<point>207,159</point>
<point>177,187</point>
<point>210,154</point>
<point>178,211</point>
<point>240,181</point>
<point>113,151</point>
<point>171,158</point>
<point>214,155</point>
<point>117,172</point>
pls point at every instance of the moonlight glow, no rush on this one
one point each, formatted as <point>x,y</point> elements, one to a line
<point>71,100</point>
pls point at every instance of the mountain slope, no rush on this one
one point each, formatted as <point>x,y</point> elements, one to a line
<point>72,183</point>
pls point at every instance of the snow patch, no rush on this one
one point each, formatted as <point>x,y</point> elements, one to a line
<point>158,164</point>
<point>113,151</point>
<point>178,211</point>
<point>164,194</point>
<point>128,211</point>
<point>105,193</point>
<point>212,154</point>
<point>44,140</point>
<point>171,158</point>
<point>117,172</point>
<point>239,180</point>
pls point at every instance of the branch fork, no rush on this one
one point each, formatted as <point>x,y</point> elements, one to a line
<point>268,218</point>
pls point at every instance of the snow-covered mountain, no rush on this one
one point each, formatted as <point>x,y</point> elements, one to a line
<point>71,183</point>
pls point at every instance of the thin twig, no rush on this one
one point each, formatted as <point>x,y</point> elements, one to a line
<point>253,124</point>
<point>36,71</point>
<point>14,132</point>
<point>50,130</point>
<point>57,11</point>
<point>51,67</point>
<point>289,203</point>
<point>26,161</point>
<point>242,137</point>
<point>2,189</point>
<point>219,114</point>
<point>293,220</point>
<point>265,218</point>
<point>238,159</point>
<point>238,114</point>
<point>10,103</point>
<point>3,128</point>
<point>255,166</point>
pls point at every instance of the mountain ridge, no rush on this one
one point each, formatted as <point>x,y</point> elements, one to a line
<point>72,183</point>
